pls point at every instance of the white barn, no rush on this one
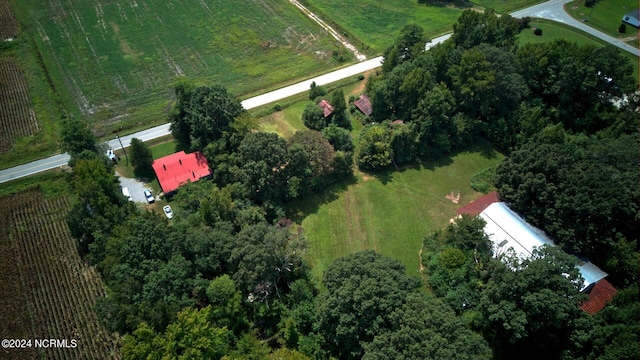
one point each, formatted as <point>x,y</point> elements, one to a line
<point>632,18</point>
<point>507,230</point>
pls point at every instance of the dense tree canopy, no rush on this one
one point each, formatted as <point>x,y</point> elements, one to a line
<point>203,114</point>
<point>363,290</point>
<point>530,307</point>
<point>426,328</point>
<point>583,191</point>
<point>77,137</point>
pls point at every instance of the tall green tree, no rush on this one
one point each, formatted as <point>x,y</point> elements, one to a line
<point>474,28</point>
<point>141,157</point>
<point>316,91</point>
<point>362,291</point>
<point>339,116</point>
<point>408,45</point>
<point>76,138</point>
<point>426,328</point>
<point>530,307</point>
<point>313,117</point>
<point>192,336</point>
<point>263,161</point>
<point>203,114</point>
<point>374,150</point>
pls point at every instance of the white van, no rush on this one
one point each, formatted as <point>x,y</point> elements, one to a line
<point>125,192</point>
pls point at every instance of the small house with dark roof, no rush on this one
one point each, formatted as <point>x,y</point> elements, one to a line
<point>326,107</point>
<point>632,18</point>
<point>363,103</point>
<point>180,168</point>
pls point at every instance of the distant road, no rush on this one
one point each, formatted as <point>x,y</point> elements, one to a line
<point>552,10</point>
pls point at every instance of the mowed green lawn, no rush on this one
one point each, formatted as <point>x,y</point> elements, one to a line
<point>552,30</point>
<point>506,6</point>
<point>116,61</point>
<point>391,212</point>
<point>376,24</point>
<point>606,16</point>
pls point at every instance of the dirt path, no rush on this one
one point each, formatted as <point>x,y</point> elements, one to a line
<point>332,31</point>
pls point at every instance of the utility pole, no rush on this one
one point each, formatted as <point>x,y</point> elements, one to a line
<point>123,150</point>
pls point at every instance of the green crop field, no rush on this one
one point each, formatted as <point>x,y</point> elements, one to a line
<point>115,61</point>
<point>389,212</point>
<point>374,25</point>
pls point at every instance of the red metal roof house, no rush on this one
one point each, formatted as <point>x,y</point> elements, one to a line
<point>180,168</point>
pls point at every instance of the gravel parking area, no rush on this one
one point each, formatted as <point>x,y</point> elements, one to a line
<point>136,188</point>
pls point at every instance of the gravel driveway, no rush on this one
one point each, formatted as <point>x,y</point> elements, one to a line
<point>136,188</point>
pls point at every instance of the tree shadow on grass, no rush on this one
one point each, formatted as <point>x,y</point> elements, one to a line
<point>145,174</point>
<point>298,210</point>
<point>459,4</point>
<point>485,148</point>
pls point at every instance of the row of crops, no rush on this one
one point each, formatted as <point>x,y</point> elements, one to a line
<point>58,288</point>
<point>8,24</point>
<point>17,117</point>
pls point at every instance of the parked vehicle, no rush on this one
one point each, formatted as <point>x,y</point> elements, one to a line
<point>125,192</point>
<point>149,196</point>
<point>167,211</point>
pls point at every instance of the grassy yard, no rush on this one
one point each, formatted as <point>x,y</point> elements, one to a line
<point>606,16</point>
<point>506,6</point>
<point>374,25</point>
<point>390,212</point>
<point>552,30</point>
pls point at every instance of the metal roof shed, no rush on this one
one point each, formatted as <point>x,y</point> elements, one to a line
<point>506,229</point>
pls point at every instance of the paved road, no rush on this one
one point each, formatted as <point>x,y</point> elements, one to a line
<point>552,10</point>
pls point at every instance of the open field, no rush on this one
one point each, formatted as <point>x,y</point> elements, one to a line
<point>389,212</point>
<point>116,61</point>
<point>606,16</point>
<point>47,291</point>
<point>506,6</point>
<point>17,116</point>
<point>552,30</point>
<point>8,24</point>
<point>373,25</point>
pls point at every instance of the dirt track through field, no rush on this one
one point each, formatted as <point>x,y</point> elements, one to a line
<point>330,30</point>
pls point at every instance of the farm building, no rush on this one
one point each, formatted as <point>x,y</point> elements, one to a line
<point>508,231</point>
<point>363,103</point>
<point>632,18</point>
<point>178,169</point>
<point>326,107</point>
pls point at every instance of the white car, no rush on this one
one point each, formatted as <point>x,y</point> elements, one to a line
<point>167,211</point>
<point>125,192</point>
<point>149,196</point>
